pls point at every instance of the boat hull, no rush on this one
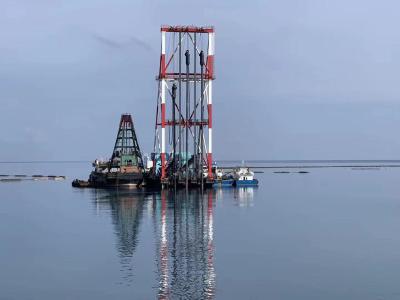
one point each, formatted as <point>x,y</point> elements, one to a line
<point>112,180</point>
<point>253,182</point>
<point>224,183</point>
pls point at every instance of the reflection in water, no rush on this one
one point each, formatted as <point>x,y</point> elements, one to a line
<point>183,233</point>
<point>244,196</point>
<point>184,225</point>
<point>126,212</point>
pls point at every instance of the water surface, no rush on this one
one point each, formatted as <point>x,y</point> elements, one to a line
<point>327,234</point>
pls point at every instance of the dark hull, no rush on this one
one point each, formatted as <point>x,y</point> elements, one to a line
<point>253,182</point>
<point>224,183</point>
<point>115,180</point>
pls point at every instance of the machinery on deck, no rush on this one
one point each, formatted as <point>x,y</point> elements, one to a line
<point>125,167</point>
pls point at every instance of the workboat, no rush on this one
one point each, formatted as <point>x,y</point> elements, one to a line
<point>221,179</point>
<point>243,176</point>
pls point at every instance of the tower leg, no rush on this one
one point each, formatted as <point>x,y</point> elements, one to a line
<point>187,54</point>
<point>163,120</point>
<point>210,76</point>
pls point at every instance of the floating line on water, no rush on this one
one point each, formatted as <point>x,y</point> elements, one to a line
<point>23,177</point>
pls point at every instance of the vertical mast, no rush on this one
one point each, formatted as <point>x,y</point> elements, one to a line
<point>201,133</point>
<point>210,76</point>
<point>163,67</point>
<point>174,134</point>
<point>194,101</point>
<point>187,55</point>
<point>180,98</point>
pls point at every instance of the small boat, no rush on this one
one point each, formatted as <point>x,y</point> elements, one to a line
<point>244,177</point>
<point>80,183</point>
<point>222,180</point>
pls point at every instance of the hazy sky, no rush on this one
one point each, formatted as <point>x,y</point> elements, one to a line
<point>295,79</point>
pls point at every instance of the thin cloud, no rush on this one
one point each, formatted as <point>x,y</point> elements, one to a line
<point>106,41</point>
<point>140,43</point>
<point>118,45</point>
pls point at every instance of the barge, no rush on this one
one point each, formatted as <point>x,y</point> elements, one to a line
<point>124,168</point>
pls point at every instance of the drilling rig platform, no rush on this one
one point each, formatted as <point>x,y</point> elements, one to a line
<point>182,149</point>
<point>182,153</point>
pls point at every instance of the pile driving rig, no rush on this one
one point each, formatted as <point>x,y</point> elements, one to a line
<point>124,168</point>
<point>184,106</point>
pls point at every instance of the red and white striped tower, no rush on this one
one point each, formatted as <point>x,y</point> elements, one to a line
<point>191,144</point>
<point>210,77</point>
<point>163,112</point>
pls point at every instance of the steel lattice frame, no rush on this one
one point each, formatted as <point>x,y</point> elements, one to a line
<point>195,79</point>
<point>126,142</point>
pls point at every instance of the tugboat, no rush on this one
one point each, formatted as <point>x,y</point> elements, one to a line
<point>222,180</point>
<point>243,176</point>
<point>125,167</point>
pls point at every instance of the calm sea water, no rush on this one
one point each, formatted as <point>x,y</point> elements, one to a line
<point>328,234</point>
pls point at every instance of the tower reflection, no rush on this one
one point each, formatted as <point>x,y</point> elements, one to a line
<point>185,249</point>
<point>183,235</point>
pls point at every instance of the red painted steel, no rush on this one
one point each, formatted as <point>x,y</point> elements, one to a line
<point>210,66</point>
<point>163,68</point>
<point>209,110</point>
<point>209,164</point>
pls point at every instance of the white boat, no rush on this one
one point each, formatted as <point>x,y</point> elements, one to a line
<point>243,176</point>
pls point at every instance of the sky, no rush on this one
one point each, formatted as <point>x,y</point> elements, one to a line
<point>299,79</point>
